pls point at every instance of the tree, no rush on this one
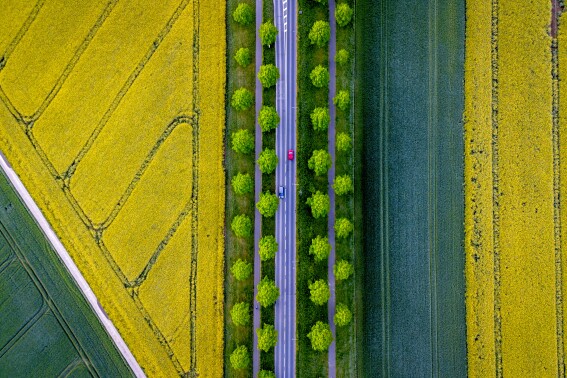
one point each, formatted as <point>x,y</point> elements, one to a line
<point>242,99</point>
<point>243,14</point>
<point>240,314</point>
<point>321,336</point>
<point>243,56</point>
<point>267,337</point>
<point>343,316</point>
<point>242,183</point>
<point>320,33</point>
<point>241,269</point>
<point>240,358</point>
<point>243,141</point>
<point>320,248</point>
<point>320,204</point>
<point>343,185</point>
<point>268,33</point>
<point>268,118</point>
<point>342,57</point>
<point>268,292</point>
<point>321,1</point>
<point>266,374</point>
<point>268,161</point>
<point>320,119</point>
<point>343,227</point>
<point>343,14</point>
<point>268,247</point>
<point>268,204</point>
<point>268,75</point>
<point>241,226</point>
<point>343,142</point>
<point>342,100</point>
<point>319,76</point>
<point>320,162</point>
<point>342,269</point>
<point>319,292</point>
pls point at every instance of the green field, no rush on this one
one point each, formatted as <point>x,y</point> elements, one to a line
<point>411,91</point>
<point>47,328</point>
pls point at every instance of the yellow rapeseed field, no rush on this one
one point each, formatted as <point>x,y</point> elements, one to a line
<point>112,113</point>
<point>514,278</point>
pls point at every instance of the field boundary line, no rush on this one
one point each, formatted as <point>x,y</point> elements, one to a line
<point>496,192</point>
<point>555,109</point>
<point>432,182</point>
<point>71,267</point>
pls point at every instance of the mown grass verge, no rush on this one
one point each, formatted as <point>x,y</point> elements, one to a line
<point>235,248</point>
<point>348,206</point>
<point>267,361</point>
<point>309,362</point>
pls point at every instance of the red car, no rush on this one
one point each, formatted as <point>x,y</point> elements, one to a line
<point>290,155</point>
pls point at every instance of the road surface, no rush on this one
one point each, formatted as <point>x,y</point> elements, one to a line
<point>285,309</point>
<point>332,354</point>
<point>71,267</point>
<point>257,191</point>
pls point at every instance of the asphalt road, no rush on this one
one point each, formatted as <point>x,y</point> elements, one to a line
<point>286,102</point>
<point>71,267</point>
<point>257,191</point>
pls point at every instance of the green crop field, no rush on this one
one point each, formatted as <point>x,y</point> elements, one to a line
<point>411,92</point>
<point>47,328</point>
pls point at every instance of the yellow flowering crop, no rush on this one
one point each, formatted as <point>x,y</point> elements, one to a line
<point>513,311</point>
<point>116,128</point>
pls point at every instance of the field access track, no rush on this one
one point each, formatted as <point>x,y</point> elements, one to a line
<point>412,106</point>
<point>47,328</point>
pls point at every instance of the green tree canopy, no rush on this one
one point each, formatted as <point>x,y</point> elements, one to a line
<point>321,1</point>
<point>243,14</point>
<point>343,142</point>
<point>319,76</point>
<point>343,14</point>
<point>342,269</point>
<point>343,227</point>
<point>242,141</point>
<point>341,57</point>
<point>320,204</point>
<point>320,33</point>
<point>241,226</point>
<point>268,33</point>
<point>319,292</point>
<point>268,204</point>
<point>268,247</point>
<point>268,161</point>
<point>321,336</point>
<point>343,316</point>
<point>268,75</point>
<point>267,337</point>
<point>242,183</point>
<point>342,100</point>
<point>240,358</point>
<point>320,162</point>
<point>320,118</point>
<point>241,269</point>
<point>242,99</point>
<point>243,56</point>
<point>240,313</point>
<point>343,185</point>
<point>320,248</point>
<point>266,374</point>
<point>268,118</point>
<point>268,292</point>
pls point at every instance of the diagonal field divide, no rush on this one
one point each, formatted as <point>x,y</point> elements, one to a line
<point>61,289</point>
<point>414,313</point>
